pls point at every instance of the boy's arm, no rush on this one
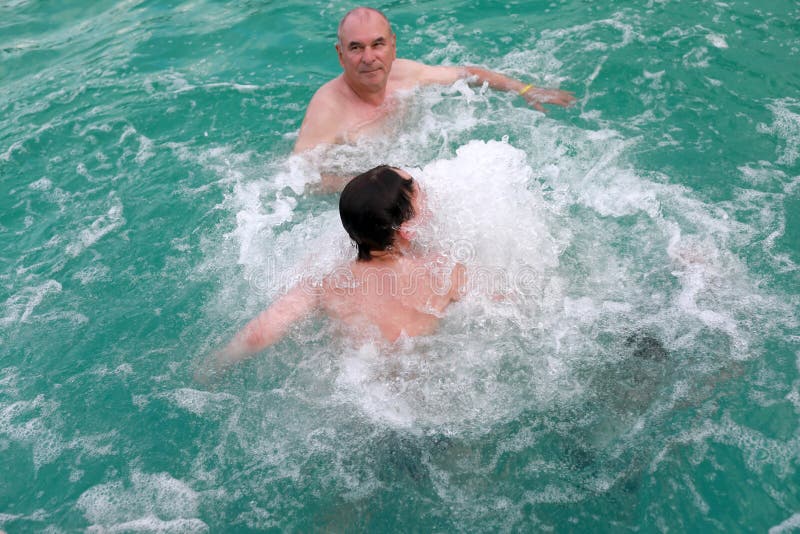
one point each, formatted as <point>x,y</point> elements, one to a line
<point>264,330</point>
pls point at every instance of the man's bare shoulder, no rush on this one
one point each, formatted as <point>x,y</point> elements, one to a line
<point>324,116</point>
<point>328,98</point>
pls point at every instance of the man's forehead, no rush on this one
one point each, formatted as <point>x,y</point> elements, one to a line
<point>364,25</point>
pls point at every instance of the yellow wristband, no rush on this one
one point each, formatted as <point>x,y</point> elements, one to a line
<point>526,89</point>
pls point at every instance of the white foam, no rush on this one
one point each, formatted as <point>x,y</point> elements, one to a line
<point>148,500</point>
<point>791,524</point>
<point>30,422</point>
<point>199,402</point>
<point>374,396</point>
<point>42,184</point>
<point>758,450</point>
<point>19,307</point>
<point>763,174</point>
<point>552,39</point>
<point>696,58</point>
<point>786,125</point>
<point>717,40</point>
<point>252,222</point>
<point>145,150</point>
<point>9,380</point>
<point>100,227</point>
<point>698,269</point>
<point>16,146</point>
<point>152,523</point>
<point>173,82</point>
<point>229,165</point>
<point>93,274</point>
<point>95,445</point>
<point>240,87</point>
<point>503,224</point>
<point>621,194</point>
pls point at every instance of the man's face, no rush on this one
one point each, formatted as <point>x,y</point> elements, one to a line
<point>366,50</point>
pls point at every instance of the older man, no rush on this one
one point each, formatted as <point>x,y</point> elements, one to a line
<point>348,105</point>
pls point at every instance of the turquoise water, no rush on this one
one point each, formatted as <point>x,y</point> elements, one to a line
<point>644,374</point>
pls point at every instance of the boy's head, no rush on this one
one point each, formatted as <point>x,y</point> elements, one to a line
<point>374,205</point>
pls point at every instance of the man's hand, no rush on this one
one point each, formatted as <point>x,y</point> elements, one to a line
<point>536,96</point>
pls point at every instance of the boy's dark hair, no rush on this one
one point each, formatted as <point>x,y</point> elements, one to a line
<point>372,207</point>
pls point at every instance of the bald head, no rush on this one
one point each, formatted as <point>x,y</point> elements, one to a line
<point>360,14</point>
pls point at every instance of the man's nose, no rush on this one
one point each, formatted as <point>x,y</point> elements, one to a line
<point>368,56</point>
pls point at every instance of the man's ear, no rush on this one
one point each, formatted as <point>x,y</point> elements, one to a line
<point>339,53</point>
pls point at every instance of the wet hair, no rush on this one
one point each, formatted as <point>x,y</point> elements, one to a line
<point>372,207</point>
<point>361,9</point>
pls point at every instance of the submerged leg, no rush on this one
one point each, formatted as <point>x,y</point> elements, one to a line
<point>646,347</point>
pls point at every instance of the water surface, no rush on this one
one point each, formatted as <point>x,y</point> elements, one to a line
<point>645,373</point>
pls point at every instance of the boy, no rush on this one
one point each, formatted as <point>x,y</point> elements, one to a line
<point>388,291</point>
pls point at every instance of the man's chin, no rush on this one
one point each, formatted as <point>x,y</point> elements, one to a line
<point>373,81</point>
<point>376,81</point>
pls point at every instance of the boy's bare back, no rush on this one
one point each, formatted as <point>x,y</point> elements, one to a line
<point>396,296</point>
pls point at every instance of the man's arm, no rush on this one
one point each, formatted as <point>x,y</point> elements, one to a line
<point>320,125</point>
<point>264,330</point>
<point>535,96</point>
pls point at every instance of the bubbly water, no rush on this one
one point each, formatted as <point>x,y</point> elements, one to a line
<point>626,358</point>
